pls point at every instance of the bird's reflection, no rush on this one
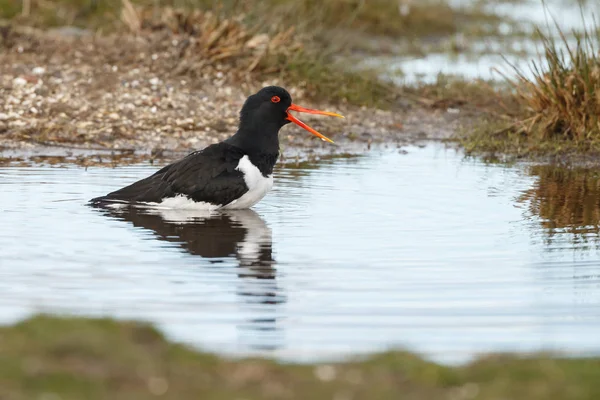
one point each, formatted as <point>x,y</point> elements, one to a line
<point>240,235</point>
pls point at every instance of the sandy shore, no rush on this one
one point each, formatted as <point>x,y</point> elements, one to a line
<point>67,94</point>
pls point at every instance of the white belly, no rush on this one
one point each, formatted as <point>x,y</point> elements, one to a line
<point>258,185</point>
<point>182,202</point>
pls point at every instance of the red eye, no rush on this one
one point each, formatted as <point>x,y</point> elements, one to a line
<point>275,99</point>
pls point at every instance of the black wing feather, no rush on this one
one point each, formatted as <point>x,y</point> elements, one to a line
<point>208,175</point>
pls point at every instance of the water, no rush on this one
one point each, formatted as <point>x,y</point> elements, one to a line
<point>425,251</point>
<point>483,57</point>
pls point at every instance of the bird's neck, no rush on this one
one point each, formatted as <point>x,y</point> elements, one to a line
<point>257,140</point>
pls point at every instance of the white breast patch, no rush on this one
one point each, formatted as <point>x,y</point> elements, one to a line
<point>258,185</point>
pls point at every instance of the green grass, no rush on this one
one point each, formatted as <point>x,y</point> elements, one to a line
<point>495,138</point>
<point>478,96</point>
<point>76,358</point>
<point>386,17</point>
<point>103,14</point>
<point>378,17</point>
<point>324,80</point>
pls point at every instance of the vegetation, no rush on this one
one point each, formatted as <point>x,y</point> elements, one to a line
<point>564,99</point>
<point>379,17</point>
<point>279,52</point>
<point>75,358</point>
<point>475,97</point>
<point>553,111</point>
<point>558,103</point>
<point>302,37</point>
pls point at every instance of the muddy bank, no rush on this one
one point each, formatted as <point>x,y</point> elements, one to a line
<point>68,93</point>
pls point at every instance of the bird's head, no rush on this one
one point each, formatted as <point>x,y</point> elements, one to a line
<point>272,105</point>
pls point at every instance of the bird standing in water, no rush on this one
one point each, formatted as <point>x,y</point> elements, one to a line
<point>233,174</point>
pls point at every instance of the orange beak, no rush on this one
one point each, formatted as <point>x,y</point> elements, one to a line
<point>295,120</point>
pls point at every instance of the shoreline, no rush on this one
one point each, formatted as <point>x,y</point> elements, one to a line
<point>68,96</point>
<point>151,84</point>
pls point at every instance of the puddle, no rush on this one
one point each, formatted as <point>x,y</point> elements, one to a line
<point>425,251</point>
<point>480,56</point>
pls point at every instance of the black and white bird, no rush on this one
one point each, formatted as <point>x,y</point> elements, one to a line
<point>233,174</point>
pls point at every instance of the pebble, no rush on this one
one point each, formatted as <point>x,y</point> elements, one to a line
<point>17,124</point>
<point>19,81</point>
<point>156,107</point>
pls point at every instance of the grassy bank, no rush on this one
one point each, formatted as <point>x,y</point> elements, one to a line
<point>75,358</point>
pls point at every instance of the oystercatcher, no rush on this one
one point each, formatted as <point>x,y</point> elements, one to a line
<point>233,174</point>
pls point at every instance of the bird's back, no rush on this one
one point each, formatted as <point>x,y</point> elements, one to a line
<point>217,176</point>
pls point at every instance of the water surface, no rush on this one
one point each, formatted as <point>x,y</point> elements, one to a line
<point>426,251</point>
<point>490,57</point>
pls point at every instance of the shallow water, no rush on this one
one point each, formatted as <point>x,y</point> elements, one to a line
<point>482,57</point>
<point>425,251</point>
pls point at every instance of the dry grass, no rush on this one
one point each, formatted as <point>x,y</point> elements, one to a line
<point>251,50</point>
<point>563,97</point>
<point>210,39</point>
<point>556,107</point>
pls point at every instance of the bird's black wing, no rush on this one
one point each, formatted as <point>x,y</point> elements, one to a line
<point>208,175</point>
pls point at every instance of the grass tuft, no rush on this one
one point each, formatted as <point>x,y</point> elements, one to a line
<point>554,110</point>
<point>562,99</point>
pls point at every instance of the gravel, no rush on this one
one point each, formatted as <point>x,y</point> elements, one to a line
<point>123,94</point>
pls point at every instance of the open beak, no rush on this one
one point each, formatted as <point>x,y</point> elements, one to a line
<point>295,120</point>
